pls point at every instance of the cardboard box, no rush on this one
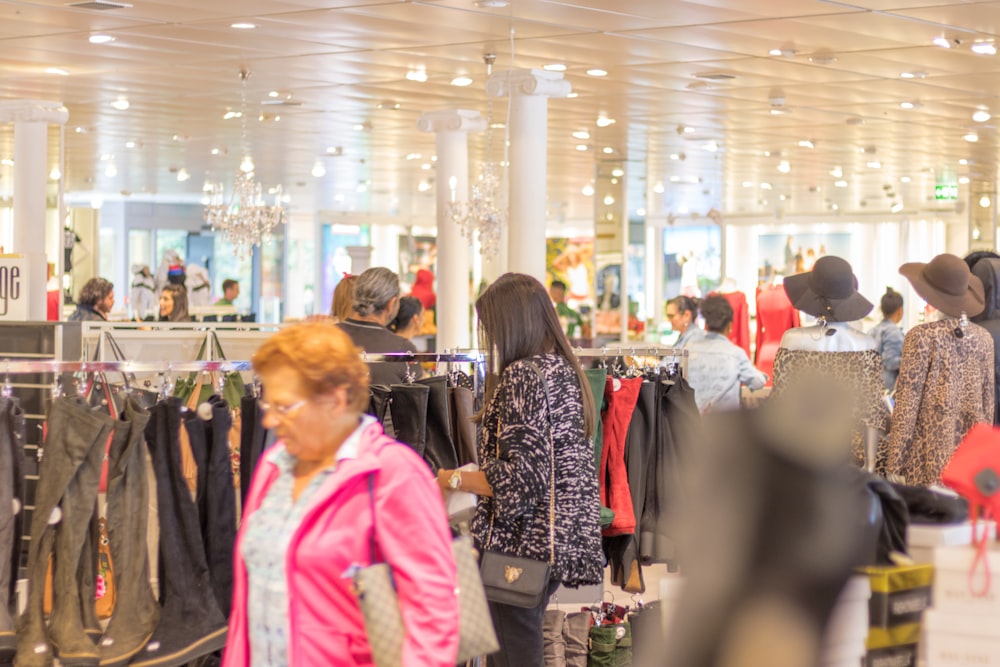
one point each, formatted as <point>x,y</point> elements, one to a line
<point>957,640</point>
<point>921,540</point>
<point>900,594</point>
<point>956,592</point>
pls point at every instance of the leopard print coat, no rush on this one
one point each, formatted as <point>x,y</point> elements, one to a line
<point>861,370</point>
<point>945,386</point>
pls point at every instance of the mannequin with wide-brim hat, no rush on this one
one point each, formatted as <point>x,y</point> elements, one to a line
<point>946,373</point>
<point>834,352</point>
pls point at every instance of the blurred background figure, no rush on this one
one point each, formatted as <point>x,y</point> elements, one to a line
<point>986,266</point>
<point>174,304</point>
<point>142,295</point>
<point>682,311</point>
<point>199,286</point>
<point>572,322</point>
<point>230,292</point>
<point>97,298</point>
<point>409,320</point>
<point>889,337</point>
<point>343,299</point>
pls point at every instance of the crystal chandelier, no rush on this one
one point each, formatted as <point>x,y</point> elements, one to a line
<point>485,212</point>
<point>245,218</point>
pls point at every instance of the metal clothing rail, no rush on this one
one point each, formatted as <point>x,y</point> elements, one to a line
<point>625,350</point>
<point>8,367</point>
<point>447,357</point>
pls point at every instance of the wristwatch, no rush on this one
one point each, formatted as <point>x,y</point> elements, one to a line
<point>455,481</point>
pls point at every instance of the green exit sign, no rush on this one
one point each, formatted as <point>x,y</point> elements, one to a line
<point>945,191</point>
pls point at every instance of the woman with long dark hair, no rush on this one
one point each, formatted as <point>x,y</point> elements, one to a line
<point>536,427</point>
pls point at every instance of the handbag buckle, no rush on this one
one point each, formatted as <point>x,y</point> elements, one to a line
<point>511,573</point>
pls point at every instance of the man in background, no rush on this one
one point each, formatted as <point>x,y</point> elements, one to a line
<point>230,292</point>
<point>572,322</point>
<point>97,298</point>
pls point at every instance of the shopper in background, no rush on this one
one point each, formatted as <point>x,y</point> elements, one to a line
<point>423,288</point>
<point>539,414</point>
<point>375,304</point>
<point>834,352</point>
<point>986,267</point>
<point>682,311</point>
<point>717,367</point>
<point>409,318</point>
<point>97,298</point>
<point>331,489</point>
<point>888,336</point>
<point>946,375</point>
<point>174,304</point>
<point>572,322</point>
<point>230,292</point>
<point>342,305</point>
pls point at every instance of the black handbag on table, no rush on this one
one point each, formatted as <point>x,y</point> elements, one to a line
<point>515,580</point>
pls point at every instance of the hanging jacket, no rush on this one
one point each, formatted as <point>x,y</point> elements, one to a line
<point>324,620</point>
<point>988,270</point>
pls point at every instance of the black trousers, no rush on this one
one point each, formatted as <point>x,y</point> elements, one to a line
<point>519,632</point>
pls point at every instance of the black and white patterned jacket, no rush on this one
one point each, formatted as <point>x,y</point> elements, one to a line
<point>521,476</point>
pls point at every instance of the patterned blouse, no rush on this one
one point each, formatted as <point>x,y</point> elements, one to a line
<point>516,519</point>
<point>945,386</point>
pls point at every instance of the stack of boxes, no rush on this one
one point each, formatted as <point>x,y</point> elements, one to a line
<point>847,629</point>
<point>900,595</point>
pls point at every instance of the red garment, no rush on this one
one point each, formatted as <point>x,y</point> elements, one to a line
<point>423,288</point>
<point>620,396</point>
<point>53,301</point>
<point>740,335</point>
<point>775,316</point>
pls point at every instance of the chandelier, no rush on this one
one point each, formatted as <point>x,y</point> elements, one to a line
<point>245,219</point>
<point>485,213</point>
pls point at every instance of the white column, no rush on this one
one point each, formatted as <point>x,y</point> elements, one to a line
<point>31,119</point>
<point>451,127</point>
<point>529,90</point>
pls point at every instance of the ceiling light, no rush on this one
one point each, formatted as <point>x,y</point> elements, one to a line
<point>334,150</point>
<point>823,58</point>
<point>597,72</point>
<point>984,201</point>
<point>784,167</point>
<point>984,47</point>
<point>963,180</point>
<point>492,4</point>
<point>782,197</point>
<point>183,175</point>
<point>426,166</point>
<point>554,67</point>
<point>775,52</point>
<point>582,147</point>
<point>840,184</point>
<point>423,186</point>
<point>318,170</point>
<point>608,200</point>
<point>908,105</point>
<point>765,186</point>
<point>111,171</point>
<point>359,127</point>
<point>417,75</point>
<point>640,212</point>
<point>231,114</point>
<point>806,143</point>
<point>243,26</point>
<point>573,94</point>
<point>617,172</point>
<point>122,104</point>
<point>55,174</point>
<point>785,51</point>
<point>56,70</point>
<point>943,42</point>
<point>981,116</point>
<point>748,184</point>
<point>604,121</point>
<point>101,39</point>
<point>180,138</point>
<point>362,187</point>
<point>413,156</point>
<point>904,179</point>
<point>963,161</point>
<point>711,147</point>
<point>607,150</point>
<point>581,134</point>
<point>897,207</point>
<point>971,137</point>
<point>461,81</point>
<point>837,172</point>
<point>778,111</point>
<point>675,179</point>
<point>874,164</point>
<point>588,190</point>
<point>658,187</point>
<point>273,93</point>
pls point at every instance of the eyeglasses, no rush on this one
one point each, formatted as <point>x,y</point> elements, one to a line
<point>281,410</point>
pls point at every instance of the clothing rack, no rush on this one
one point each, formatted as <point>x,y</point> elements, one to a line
<point>675,355</point>
<point>18,366</point>
<point>473,357</point>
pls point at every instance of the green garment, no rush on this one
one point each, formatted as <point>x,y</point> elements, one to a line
<point>597,378</point>
<point>223,302</point>
<point>571,320</point>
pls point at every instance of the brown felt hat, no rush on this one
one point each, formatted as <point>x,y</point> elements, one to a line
<point>946,283</point>
<point>830,290</point>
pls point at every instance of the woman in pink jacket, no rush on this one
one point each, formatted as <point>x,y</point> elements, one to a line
<point>317,496</point>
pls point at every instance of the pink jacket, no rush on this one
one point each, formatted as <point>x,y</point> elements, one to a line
<point>325,623</point>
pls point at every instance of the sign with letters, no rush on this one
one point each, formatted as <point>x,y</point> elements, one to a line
<point>22,287</point>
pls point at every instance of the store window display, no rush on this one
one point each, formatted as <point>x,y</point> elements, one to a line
<point>834,350</point>
<point>946,374</point>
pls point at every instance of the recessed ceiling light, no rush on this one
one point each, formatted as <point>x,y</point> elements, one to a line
<point>675,156</point>
<point>273,93</point>
<point>640,212</point>
<point>981,116</point>
<point>840,184</point>
<point>784,167</point>
<point>775,52</point>
<point>909,105</point>
<point>417,75</point>
<point>100,39</point>
<point>748,184</point>
<point>56,70</point>
<point>426,166</point>
<point>984,47</point>
<point>604,121</point>
<point>231,114</point>
<point>554,67</point>
<point>492,4</point>
<point>658,187</point>
<point>874,164</point>
<point>837,172</point>
<point>581,134</point>
<point>904,179</point>
<point>782,197</point>
<point>984,201</point>
<point>55,174</point>
<point>243,26</point>
<point>711,147</point>
<point>675,179</point>
<point>597,72</point>
<point>183,175</point>
<point>778,111</point>
<point>963,180</point>
<point>897,207</point>
<point>318,170</point>
<point>617,172</point>
<point>943,42</point>
<point>765,186</point>
<point>971,137</point>
<point>111,171</point>
<point>607,150</point>
<point>122,104</point>
<point>461,81</point>
<point>608,200</point>
<point>573,94</point>
<point>581,147</point>
<point>807,143</point>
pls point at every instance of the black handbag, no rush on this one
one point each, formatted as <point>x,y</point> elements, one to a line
<point>515,580</point>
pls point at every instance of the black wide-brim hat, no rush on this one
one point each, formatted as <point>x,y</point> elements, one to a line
<point>946,283</point>
<point>830,290</point>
